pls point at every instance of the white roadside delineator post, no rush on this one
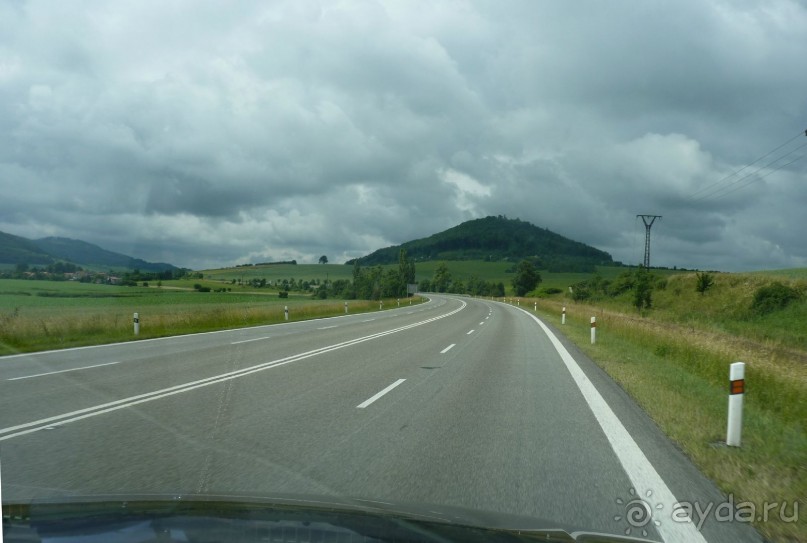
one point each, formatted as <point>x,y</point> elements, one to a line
<point>563,316</point>
<point>286,312</point>
<point>380,304</point>
<point>736,393</point>
<point>345,308</point>
<point>593,330</point>
<point>136,321</point>
<point>399,302</point>
<point>536,307</point>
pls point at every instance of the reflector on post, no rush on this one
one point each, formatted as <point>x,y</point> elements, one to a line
<point>736,394</point>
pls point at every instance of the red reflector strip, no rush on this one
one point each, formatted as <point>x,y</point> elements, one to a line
<point>737,387</point>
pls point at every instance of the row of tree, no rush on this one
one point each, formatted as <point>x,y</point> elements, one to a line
<point>375,283</point>
<point>525,280</point>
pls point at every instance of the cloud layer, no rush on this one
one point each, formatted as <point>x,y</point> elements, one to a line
<point>205,134</point>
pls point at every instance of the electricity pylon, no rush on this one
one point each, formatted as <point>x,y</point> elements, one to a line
<point>648,221</point>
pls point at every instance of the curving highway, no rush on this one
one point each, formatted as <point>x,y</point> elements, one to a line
<point>458,401</point>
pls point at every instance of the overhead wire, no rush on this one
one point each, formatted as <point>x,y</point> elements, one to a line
<point>766,174</point>
<point>716,189</point>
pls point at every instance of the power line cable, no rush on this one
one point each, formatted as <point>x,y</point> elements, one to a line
<point>766,174</point>
<point>721,191</point>
<point>736,172</point>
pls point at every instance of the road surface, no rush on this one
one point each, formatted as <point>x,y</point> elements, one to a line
<point>458,401</point>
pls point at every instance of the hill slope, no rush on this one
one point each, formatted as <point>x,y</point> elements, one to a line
<point>18,250</point>
<point>497,238</point>
<point>41,252</point>
<point>87,254</point>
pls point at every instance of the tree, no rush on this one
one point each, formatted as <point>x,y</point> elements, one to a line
<point>442,278</point>
<point>323,259</point>
<point>526,278</point>
<point>406,272</point>
<point>704,282</point>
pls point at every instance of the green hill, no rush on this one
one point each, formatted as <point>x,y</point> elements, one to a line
<point>18,250</point>
<point>41,252</point>
<point>87,254</point>
<point>494,239</point>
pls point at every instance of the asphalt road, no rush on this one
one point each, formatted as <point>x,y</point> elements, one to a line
<point>460,402</point>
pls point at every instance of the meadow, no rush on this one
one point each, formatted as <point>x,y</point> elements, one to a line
<point>40,315</point>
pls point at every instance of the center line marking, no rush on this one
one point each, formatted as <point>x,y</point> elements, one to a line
<point>368,401</point>
<point>61,371</point>
<point>248,340</point>
<point>481,323</point>
<point>125,403</point>
<point>368,320</point>
<point>444,351</point>
<point>469,333</point>
<point>326,327</point>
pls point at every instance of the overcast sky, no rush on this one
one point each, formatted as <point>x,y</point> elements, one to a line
<point>213,133</point>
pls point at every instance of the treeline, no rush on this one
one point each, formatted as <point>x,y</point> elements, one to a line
<point>376,283</point>
<point>131,278</point>
<point>292,262</point>
<point>444,281</point>
<point>67,271</point>
<point>367,284</point>
<point>55,271</point>
<point>640,282</point>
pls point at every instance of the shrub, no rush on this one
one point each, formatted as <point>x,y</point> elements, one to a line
<point>772,297</point>
<point>283,294</point>
<point>704,282</point>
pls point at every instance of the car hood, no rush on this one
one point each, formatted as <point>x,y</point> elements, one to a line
<point>286,517</point>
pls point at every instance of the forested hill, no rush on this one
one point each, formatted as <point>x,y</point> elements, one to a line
<point>45,251</point>
<point>494,239</point>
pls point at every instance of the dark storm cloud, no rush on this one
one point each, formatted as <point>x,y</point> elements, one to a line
<point>204,134</point>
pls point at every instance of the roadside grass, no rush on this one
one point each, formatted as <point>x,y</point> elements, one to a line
<point>725,307</point>
<point>678,373</point>
<point>39,315</point>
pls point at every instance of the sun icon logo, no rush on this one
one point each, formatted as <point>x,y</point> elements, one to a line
<point>638,511</point>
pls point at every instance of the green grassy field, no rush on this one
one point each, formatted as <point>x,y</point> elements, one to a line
<point>304,272</point>
<point>38,315</point>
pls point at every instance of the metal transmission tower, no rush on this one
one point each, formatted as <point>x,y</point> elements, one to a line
<point>648,221</point>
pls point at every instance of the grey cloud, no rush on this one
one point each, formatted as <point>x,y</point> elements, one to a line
<point>205,135</point>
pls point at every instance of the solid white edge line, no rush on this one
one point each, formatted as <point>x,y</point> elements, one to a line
<point>61,371</point>
<point>249,340</point>
<point>373,398</point>
<point>641,472</point>
<point>444,351</point>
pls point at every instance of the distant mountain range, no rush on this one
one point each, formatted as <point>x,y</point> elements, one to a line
<point>38,252</point>
<point>495,239</point>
